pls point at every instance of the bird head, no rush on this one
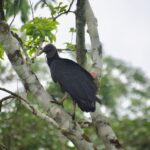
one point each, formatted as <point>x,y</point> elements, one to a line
<point>50,50</point>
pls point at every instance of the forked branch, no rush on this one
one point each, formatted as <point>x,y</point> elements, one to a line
<point>29,106</point>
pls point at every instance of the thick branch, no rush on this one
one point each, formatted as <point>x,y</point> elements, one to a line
<point>80,32</point>
<point>103,127</point>
<point>94,37</point>
<point>31,84</point>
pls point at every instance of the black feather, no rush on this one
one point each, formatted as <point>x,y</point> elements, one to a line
<point>73,79</point>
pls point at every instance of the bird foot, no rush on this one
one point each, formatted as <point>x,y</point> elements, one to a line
<point>63,98</point>
<point>57,102</point>
<point>61,101</point>
<point>73,119</point>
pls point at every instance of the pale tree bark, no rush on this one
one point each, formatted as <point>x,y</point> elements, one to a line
<point>53,113</point>
<point>67,126</point>
<point>103,127</point>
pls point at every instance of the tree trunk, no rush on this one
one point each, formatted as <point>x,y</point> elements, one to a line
<point>31,83</point>
<point>63,120</point>
<point>80,32</point>
<point>103,127</point>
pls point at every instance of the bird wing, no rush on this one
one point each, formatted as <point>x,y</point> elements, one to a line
<point>76,81</point>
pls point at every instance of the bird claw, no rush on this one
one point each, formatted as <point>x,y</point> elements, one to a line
<point>63,98</point>
<point>57,102</point>
<point>60,102</point>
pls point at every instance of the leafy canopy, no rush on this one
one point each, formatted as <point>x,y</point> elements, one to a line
<point>119,81</point>
<point>37,31</point>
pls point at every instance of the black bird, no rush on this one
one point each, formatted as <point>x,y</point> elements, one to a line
<point>72,78</point>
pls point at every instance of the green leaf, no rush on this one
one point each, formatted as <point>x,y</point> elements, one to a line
<point>71,46</point>
<point>72,30</point>
<point>1,51</point>
<point>20,6</point>
<point>37,31</point>
<point>14,29</point>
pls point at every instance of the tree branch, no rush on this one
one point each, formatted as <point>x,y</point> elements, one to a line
<point>3,147</point>
<point>32,12</point>
<point>44,1</point>
<point>6,98</point>
<point>17,96</point>
<point>31,83</point>
<point>65,12</point>
<point>94,37</point>
<point>103,127</point>
<point>29,106</point>
<point>3,99</point>
<point>14,7</point>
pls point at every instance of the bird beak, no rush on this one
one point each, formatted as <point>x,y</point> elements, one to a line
<point>36,55</point>
<point>41,52</point>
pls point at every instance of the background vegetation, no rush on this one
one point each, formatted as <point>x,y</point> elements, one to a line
<point>124,91</point>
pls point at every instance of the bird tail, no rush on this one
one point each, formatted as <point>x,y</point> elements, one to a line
<point>87,106</point>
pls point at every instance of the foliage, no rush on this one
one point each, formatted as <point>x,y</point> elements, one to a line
<point>134,133</point>
<point>37,31</point>
<point>72,30</point>
<point>13,7</point>
<point>57,10</point>
<point>1,51</point>
<point>34,133</point>
<point>70,46</point>
<point>120,80</point>
<point>22,130</point>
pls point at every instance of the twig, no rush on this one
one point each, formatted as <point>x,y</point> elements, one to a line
<point>16,95</point>
<point>6,98</point>
<point>3,99</point>
<point>70,5</point>
<point>37,54</point>
<point>65,12</point>
<point>63,49</point>
<point>30,107</point>
<point>31,10</point>
<point>3,147</point>
<point>44,1</point>
<point>15,2</point>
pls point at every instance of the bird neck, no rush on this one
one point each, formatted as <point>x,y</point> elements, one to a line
<point>50,59</point>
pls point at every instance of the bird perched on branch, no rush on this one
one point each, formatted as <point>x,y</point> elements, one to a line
<point>72,78</point>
